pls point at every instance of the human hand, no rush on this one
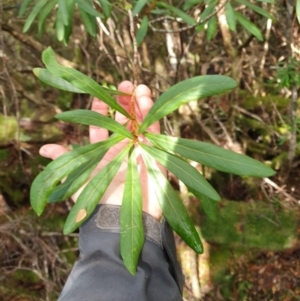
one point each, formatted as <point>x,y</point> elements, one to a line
<point>114,193</point>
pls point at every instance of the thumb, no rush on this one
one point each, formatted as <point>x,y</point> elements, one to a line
<point>52,151</point>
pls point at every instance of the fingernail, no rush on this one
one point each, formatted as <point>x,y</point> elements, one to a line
<point>43,152</point>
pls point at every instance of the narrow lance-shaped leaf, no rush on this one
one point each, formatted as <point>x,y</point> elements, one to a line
<point>36,9</point>
<point>23,7</point>
<point>212,156</point>
<point>186,91</point>
<point>298,10</point>
<point>132,232</point>
<point>106,7</point>
<point>138,7</point>
<point>89,22</point>
<point>79,80</point>
<point>87,6</point>
<point>159,11</point>
<point>181,14</point>
<point>171,205</point>
<point>63,11</point>
<point>44,14</point>
<point>93,192</point>
<point>267,1</point>
<point>183,170</point>
<point>209,9</point>
<point>69,27</point>
<point>57,82</point>
<point>255,8</point>
<point>142,31</point>
<point>54,172</point>
<point>74,180</point>
<point>191,3</point>
<point>211,28</point>
<point>114,92</point>
<point>249,26</point>
<point>230,17</point>
<point>59,27</point>
<point>88,117</point>
<point>48,78</point>
<point>209,206</point>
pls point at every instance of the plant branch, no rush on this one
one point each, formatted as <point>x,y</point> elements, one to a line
<point>217,9</point>
<point>134,124</point>
<point>33,44</point>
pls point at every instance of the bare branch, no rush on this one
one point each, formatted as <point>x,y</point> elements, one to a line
<point>217,9</point>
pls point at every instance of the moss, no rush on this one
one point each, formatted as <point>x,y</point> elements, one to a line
<point>8,129</point>
<point>45,133</point>
<point>26,276</point>
<point>64,100</point>
<point>219,258</point>
<point>19,285</point>
<point>251,225</point>
<point>54,223</point>
<point>251,102</point>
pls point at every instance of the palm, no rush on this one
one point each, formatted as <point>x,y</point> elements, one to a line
<point>114,192</point>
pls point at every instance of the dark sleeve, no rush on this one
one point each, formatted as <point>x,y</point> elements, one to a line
<point>99,274</point>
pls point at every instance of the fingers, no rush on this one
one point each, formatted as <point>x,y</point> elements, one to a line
<point>98,134</point>
<point>124,100</point>
<point>145,103</point>
<point>52,151</point>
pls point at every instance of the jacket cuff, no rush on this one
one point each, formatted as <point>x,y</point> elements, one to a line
<point>107,218</point>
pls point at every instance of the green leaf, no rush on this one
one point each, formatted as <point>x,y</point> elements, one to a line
<point>142,31</point>
<point>181,14</point>
<point>59,27</point>
<point>4,154</point>
<point>46,10</point>
<point>158,11</point>
<point>106,7</point>
<point>298,10</point>
<point>93,192</point>
<point>191,3</point>
<point>212,156</point>
<point>138,7</point>
<point>230,17</point>
<point>186,91</point>
<point>207,11</point>
<point>74,180</point>
<point>132,232</point>
<point>23,7</point>
<point>88,8</point>
<point>89,23</point>
<point>88,117</point>
<point>48,78</point>
<point>255,8</point>
<point>182,170</point>
<point>249,26</point>
<point>211,28</point>
<point>54,172</point>
<point>63,11</point>
<point>69,27</point>
<point>79,80</point>
<point>209,206</point>
<point>171,205</point>
<point>36,9</point>
<point>267,1</point>
<point>114,92</point>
